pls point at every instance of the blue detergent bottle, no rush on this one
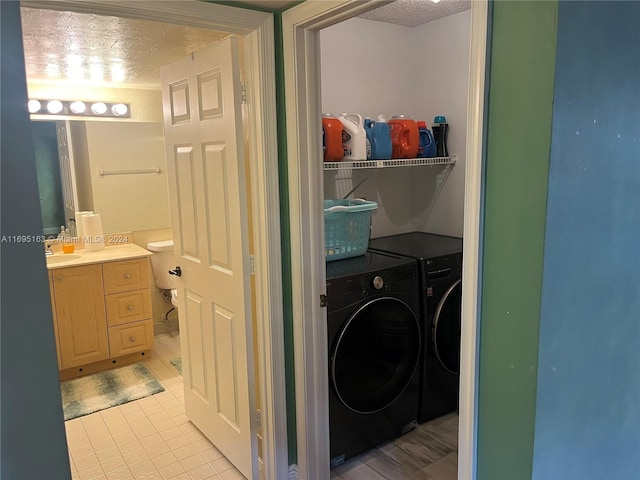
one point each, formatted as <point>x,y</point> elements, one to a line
<point>378,139</point>
<point>427,147</point>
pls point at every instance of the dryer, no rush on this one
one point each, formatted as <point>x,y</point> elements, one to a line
<point>374,342</point>
<point>439,260</point>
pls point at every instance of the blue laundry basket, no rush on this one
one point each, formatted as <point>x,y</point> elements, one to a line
<point>347,226</point>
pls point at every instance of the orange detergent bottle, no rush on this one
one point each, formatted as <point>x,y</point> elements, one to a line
<point>404,137</point>
<point>332,138</point>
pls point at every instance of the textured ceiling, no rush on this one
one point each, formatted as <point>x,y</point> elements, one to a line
<point>110,51</point>
<point>412,13</point>
<point>83,48</point>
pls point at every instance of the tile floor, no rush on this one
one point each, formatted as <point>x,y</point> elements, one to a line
<point>150,438</point>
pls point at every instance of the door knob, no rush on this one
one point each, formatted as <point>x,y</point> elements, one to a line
<point>177,272</point>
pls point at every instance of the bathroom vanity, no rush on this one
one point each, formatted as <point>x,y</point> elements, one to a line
<point>101,303</point>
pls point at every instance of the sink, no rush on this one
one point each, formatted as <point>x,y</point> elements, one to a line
<point>53,259</point>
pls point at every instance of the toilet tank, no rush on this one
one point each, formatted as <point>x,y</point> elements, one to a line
<point>162,261</point>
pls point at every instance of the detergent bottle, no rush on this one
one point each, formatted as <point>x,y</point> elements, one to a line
<point>332,138</point>
<point>440,133</point>
<point>378,139</point>
<point>354,138</point>
<point>404,137</point>
<point>427,147</point>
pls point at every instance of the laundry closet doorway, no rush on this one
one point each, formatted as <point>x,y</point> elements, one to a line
<point>301,26</point>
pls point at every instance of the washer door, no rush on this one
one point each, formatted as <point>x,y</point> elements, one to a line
<point>375,355</point>
<point>446,329</point>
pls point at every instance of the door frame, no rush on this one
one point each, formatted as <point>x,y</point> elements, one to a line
<point>258,31</point>
<point>301,25</point>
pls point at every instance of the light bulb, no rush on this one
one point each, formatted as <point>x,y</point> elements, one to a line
<point>117,73</point>
<point>119,109</point>
<point>99,108</point>
<point>77,107</point>
<point>96,72</point>
<point>53,70</point>
<point>54,106</point>
<point>34,106</point>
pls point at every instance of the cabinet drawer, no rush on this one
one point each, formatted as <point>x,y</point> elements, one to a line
<point>126,275</point>
<point>130,338</point>
<point>128,307</point>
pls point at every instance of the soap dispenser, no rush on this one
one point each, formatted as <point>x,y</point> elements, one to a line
<point>67,244</point>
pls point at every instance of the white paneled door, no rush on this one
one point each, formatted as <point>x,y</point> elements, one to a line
<point>205,164</point>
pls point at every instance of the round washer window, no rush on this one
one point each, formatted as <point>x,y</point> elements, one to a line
<point>446,329</point>
<point>375,355</point>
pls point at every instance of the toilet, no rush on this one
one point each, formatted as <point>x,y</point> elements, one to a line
<point>162,261</point>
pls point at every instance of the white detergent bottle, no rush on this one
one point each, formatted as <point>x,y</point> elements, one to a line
<point>354,137</point>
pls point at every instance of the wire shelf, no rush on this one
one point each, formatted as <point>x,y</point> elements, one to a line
<point>395,162</point>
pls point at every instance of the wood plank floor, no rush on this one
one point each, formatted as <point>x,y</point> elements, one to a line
<point>429,452</point>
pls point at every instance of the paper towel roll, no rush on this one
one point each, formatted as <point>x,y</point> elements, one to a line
<point>93,235</point>
<point>79,224</point>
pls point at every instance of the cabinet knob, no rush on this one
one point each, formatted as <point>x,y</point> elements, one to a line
<point>58,277</point>
<point>133,339</point>
<point>127,276</point>
<point>130,307</point>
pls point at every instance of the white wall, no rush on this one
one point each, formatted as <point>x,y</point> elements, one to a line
<point>364,70</point>
<point>373,67</point>
<point>128,202</point>
<point>440,88</point>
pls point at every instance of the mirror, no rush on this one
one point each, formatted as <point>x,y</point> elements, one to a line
<point>116,169</point>
<point>45,146</point>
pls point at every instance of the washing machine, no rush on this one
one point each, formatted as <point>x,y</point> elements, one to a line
<point>374,342</point>
<point>439,260</point>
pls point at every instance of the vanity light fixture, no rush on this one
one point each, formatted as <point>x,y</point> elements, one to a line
<point>34,106</point>
<point>79,108</point>
<point>119,109</point>
<point>99,108</point>
<point>54,106</point>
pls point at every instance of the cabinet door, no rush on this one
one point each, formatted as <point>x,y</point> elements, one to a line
<point>82,322</point>
<point>55,320</point>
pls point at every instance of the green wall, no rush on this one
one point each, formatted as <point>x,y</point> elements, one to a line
<point>287,300</point>
<point>522,61</point>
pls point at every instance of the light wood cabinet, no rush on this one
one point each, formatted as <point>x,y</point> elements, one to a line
<point>102,314</point>
<point>80,313</point>
<point>126,275</point>
<point>131,337</point>
<point>55,321</point>
<point>128,307</point>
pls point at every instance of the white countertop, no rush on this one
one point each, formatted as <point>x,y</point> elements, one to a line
<point>107,254</point>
